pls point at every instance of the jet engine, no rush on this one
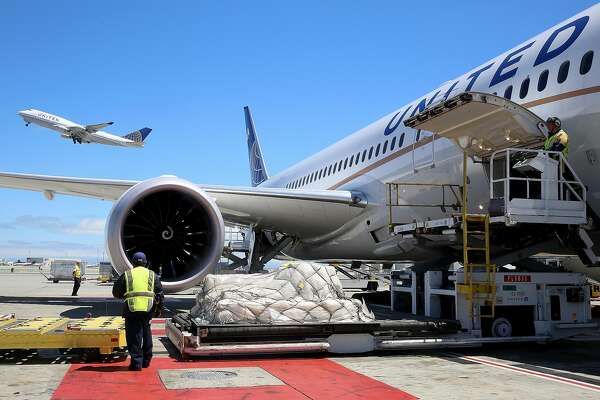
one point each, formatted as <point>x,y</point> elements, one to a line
<point>177,226</point>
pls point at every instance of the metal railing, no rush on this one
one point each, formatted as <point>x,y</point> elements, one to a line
<point>449,192</point>
<point>571,189</point>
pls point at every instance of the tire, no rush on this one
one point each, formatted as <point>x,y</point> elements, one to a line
<point>55,281</point>
<point>502,327</point>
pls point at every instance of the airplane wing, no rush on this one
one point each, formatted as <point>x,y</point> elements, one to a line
<point>291,211</point>
<point>96,127</point>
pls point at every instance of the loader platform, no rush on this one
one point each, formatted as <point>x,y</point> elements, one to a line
<point>102,333</point>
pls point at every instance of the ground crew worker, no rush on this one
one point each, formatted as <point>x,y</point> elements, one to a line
<point>558,139</point>
<point>76,279</point>
<point>142,291</point>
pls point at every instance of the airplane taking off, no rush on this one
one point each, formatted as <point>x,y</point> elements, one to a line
<point>83,133</point>
<point>335,205</point>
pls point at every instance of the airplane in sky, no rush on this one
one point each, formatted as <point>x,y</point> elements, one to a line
<point>334,205</point>
<point>83,133</point>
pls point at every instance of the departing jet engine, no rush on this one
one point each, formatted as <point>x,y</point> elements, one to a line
<point>174,222</point>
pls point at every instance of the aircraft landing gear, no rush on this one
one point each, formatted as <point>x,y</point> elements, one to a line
<point>74,140</point>
<point>26,123</point>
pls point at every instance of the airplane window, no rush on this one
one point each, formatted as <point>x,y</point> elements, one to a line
<point>371,152</point>
<point>543,80</point>
<point>351,160</point>
<point>586,62</point>
<point>563,72</point>
<point>393,144</point>
<point>363,156</point>
<point>384,147</point>
<point>401,140</point>
<point>340,166</point>
<point>320,174</point>
<point>377,150</point>
<point>329,170</point>
<point>508,92</point>
<point>524,88</point>
<point>346,163</point>
<point>357,158</point>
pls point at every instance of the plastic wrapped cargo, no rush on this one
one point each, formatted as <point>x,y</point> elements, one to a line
<point>62,269</point>
<point>297,292</point>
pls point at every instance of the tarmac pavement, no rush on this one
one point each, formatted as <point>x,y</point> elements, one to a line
<point>567,369</point>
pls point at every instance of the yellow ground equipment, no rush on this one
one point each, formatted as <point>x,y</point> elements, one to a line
<point>102,333</point>
<point>473,288</point>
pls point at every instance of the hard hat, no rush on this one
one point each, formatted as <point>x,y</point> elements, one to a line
<point>554,120</point>
<point>139,258</point>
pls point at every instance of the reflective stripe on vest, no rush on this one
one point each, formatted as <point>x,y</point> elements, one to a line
<point>139,289</point>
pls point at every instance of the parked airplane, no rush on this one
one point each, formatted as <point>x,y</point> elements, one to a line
<point>332,205</point>
<point>83,133</point>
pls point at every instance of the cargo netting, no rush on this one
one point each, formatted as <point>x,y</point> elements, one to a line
<point>297,292</point>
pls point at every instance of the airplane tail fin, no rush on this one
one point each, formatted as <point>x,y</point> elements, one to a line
<point>258,171</point>
<point>138,136</point>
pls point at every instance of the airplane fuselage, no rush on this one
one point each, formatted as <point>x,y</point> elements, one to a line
<point>71,130</point>
<point>556,73</point>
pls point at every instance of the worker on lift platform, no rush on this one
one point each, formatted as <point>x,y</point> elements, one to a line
<point>142,291</point>
<point>558,139</point>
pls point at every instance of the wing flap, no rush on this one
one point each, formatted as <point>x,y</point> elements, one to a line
<point>103,189</point>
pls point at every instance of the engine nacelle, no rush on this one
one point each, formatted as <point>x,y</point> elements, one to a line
<point>177,226</point>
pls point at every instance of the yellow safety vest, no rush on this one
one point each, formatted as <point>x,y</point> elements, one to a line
<point>560,136</point>
<point>76,272</point>
<point>139,289</point>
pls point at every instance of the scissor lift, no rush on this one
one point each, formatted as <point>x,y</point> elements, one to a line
<point>102,333</point>
<point>527,185</point>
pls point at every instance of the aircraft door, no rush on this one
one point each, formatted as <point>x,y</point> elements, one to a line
<point>423,150</point>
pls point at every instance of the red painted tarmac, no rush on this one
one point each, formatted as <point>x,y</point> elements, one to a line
<point>303,379</point>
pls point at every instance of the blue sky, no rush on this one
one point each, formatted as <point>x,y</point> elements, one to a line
<point>311,71</point>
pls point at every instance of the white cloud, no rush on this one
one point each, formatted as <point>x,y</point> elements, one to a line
<point>85,226</point>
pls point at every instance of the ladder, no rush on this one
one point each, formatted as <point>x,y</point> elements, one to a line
<point>476,258</point>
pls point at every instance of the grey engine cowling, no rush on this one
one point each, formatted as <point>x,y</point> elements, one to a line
<point>174,222</point>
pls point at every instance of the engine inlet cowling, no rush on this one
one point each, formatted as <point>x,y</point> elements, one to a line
<point>177,226</point>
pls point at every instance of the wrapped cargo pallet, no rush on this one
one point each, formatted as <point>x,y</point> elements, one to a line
<point>297,292</point>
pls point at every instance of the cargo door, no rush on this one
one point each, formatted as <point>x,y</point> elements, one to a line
<point>481,124</point>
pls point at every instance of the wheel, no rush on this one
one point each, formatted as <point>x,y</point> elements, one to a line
<point>501,327</point>
<point>55,281</point>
